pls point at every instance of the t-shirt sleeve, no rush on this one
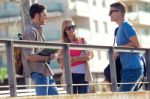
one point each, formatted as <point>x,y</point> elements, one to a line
<point>129,30</point>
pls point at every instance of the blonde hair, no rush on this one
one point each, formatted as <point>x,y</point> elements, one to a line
<point>64,36</point>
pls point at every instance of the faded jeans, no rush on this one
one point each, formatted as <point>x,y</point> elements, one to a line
<point>40,79</point>
<point>130,76</point>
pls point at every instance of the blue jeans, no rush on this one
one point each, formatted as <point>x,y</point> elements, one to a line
<point>79,79</point>
<point>40,79</point>
<point>130,75</point>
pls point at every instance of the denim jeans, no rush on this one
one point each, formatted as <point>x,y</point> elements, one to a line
<point>130,75</point>
<point>79,79</point>
<point>40,79</point>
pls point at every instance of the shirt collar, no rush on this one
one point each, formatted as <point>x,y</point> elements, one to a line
<point>37,26</point>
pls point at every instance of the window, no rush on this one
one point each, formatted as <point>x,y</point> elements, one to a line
<point>130,8</point>
<point>105,27</point>
<point>103,3</point>
<point>99,54</point>
<point>96,29</point>
<point>145,31</point>
<point>147,7</point>
<point>94,2</point>
<point>2,32</point>
<point>144,7</point>
<point>107,55</point>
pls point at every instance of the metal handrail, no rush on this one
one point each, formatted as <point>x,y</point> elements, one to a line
<point>10,44</point>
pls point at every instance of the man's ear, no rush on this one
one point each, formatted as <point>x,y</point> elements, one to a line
<point>36,15</point>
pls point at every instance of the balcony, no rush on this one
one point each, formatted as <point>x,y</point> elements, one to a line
<point>54,8</point>
<point>79,8</point>
<point>139,18</point>
<point>13,10</point>
<point>10,10</point>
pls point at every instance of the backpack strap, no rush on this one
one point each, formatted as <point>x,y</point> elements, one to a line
<point>20,36</point>
<point>115,35</point>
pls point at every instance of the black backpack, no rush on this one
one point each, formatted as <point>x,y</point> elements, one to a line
<point>118,69</point>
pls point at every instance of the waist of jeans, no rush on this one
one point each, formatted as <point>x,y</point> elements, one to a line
<point>78,74</point>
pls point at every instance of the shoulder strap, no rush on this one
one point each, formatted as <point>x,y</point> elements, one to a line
<point>20,36</point>
<point>115,35</point>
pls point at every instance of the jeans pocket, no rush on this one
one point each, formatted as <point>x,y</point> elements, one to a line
<point>35,76</point>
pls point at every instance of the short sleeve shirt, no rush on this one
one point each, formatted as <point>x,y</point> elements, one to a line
<point>128,60</point>
<point>34,33</point>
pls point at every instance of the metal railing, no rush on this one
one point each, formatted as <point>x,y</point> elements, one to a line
<point>9,44</point>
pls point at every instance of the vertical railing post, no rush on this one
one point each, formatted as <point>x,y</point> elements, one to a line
<point>68,75</point>
<point>147,59</point>
<point>112,70</point>
<point>10,68</point>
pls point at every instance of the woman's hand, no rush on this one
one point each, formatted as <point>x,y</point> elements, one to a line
<point>82,57</point>
<point>60,59</point>
<point>74,59</point>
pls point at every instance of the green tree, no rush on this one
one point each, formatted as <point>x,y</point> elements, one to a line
<point>3,74</point>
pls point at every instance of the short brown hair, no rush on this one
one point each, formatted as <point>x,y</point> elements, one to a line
<point>36,8</point>
<point>119,5</point>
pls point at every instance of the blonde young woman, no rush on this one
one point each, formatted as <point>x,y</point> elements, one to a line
<point>79,58</point>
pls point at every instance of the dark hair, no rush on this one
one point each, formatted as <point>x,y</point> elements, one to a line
<point>36,8</point>
<point>119,5</point>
